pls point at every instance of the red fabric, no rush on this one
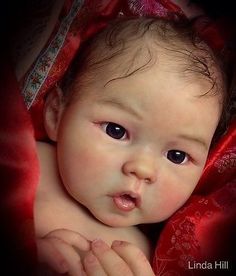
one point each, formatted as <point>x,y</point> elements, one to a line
<point>161,8</point>
<point>19,173</point>
<point>221,164</point>
<point>214,33</point>
<point>188,234</point>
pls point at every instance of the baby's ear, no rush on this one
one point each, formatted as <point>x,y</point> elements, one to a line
<point>52,112</point>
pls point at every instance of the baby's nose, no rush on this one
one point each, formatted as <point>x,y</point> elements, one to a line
<point>144,168</point>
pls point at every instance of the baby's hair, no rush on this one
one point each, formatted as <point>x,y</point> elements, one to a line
<point>136,38</point>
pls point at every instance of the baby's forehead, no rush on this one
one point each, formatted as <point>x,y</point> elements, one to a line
<point>146,54</point>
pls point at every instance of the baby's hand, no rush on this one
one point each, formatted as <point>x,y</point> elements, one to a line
<point>61,250</point>
<point>122,258</point>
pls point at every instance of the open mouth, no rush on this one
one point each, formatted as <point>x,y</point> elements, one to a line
<point>126,201</point>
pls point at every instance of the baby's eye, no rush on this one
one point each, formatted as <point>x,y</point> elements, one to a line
<point>115,131</point>
<point>177,156</point>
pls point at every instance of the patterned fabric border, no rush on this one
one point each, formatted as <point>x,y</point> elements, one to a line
<point>45,61</point>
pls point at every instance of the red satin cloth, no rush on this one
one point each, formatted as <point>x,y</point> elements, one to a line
<point>201,230</point>
<point>19,174</point>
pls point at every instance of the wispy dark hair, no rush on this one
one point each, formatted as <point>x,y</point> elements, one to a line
<point>130,37</point>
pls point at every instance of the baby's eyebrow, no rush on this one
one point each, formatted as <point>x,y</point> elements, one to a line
<point>121,105</point>
<point>195,139</point>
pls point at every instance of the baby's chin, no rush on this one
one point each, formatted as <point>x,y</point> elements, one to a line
<point>115,221</point>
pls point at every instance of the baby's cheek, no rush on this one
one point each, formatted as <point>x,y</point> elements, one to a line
<point>173,201</point>
<point>91,161</point>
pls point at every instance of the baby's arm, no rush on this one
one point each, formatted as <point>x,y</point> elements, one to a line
<point>61,251</point>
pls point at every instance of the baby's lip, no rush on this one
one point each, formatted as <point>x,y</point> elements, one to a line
<point>134,197</point>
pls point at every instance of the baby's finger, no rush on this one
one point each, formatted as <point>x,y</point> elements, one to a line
<point>134,257</point>
<point>71,258</point>
<point>71,237</point>
<point>92,266</point>
<point>111,262</point>
<point>48,254</point>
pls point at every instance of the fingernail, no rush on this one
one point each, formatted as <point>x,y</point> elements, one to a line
<point>90,258</point>
<point>97,242</point>
<point>117,243</point>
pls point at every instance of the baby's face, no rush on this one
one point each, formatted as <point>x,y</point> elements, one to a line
<point>132,151</point>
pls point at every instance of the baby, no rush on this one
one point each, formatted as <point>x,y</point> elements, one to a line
<point>131,126</point>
